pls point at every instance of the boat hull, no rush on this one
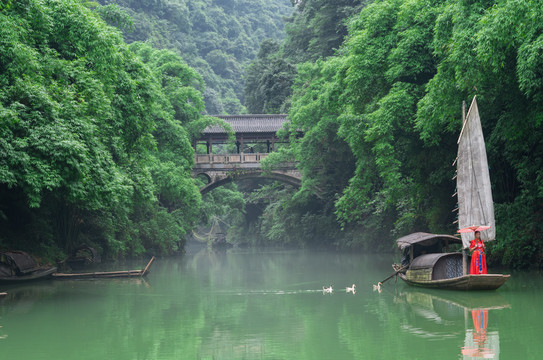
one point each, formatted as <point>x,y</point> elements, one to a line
<point>35,275</point>
<point>466,282</point>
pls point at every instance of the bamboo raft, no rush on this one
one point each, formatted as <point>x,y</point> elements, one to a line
<point>107,274</point>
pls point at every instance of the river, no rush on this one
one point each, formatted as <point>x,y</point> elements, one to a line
<point>264,304</point>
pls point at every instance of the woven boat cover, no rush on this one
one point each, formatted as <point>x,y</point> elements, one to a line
<point>22,262</point>
<point>429,260</point>
<point>424,239</point>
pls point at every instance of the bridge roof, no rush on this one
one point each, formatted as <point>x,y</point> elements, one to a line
<point>251,123</point>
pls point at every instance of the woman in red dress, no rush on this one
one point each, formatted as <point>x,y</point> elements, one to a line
<point>478,259</point>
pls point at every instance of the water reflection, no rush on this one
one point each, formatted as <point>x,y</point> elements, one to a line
<point>446,315</point>
<point>479,343</point>
<point>265,305</point>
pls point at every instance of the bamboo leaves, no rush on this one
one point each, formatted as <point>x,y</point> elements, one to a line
<point>93,144</point>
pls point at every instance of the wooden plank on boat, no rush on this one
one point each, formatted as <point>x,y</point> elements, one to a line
<point>419,274</point>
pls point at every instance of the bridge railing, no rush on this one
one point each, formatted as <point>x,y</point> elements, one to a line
<point>229,158</point>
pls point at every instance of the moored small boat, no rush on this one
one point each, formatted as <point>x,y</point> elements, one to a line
<point>18,266</point>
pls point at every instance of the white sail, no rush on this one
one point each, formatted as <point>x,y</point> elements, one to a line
<point>475,205</point>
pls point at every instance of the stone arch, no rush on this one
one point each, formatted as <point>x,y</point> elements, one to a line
<point>205,175</point>
<point>291,179</point>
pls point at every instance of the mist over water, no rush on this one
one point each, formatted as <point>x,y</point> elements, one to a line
<point>268,304</point>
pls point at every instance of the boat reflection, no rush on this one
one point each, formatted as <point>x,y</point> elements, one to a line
<point>448,315</point>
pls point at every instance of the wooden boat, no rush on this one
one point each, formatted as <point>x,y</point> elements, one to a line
<point>430,263</point>
<point>18,266</point>
<point>465,282</point>
<point>107,274</point>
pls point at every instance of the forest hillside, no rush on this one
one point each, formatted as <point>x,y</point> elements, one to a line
<point>218,38</point>
<point>100,105</point>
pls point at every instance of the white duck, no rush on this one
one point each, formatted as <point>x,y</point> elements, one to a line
<point>377,287</point>
<point>351,289</point>
<point>327,290</point>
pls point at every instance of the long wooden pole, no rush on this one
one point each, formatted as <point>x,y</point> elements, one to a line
<point>464,261</point>
<point>390,277</point>
<point>146,270</point>
<point>464,255</point>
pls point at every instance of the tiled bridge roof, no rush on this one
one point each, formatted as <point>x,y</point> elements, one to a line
<point>250,123</point>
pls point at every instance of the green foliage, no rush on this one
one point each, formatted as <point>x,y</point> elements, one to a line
<point>5,4</point>
<point>268,80</point>
<point>225,202</point>
<point>217,38</point>
<point>394,91</point>
<point>222,211</point>
<point>93,145</point>
<point>315,110</point>
<point>285,221</point>
<point>317,28</point>
<point>115,16</point>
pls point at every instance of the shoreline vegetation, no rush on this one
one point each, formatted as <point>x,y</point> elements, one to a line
<point>96,127</point>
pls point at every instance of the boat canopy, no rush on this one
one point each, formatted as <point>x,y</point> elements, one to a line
<point>20,261</point>
<point>425,239</point>
<point>427,261</point>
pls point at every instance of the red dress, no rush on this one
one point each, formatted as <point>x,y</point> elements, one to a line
<point>478,258</point>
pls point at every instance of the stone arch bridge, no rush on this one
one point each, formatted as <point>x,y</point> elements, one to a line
<point>256,137</point>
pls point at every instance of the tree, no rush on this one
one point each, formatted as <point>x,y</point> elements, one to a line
<point>318,27</point>
<point>396,86</point>
<point>93,141</point>
<point>268,80</point>
<point>217,38</point>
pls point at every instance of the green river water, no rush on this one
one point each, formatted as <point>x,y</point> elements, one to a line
<point>263,304</point>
